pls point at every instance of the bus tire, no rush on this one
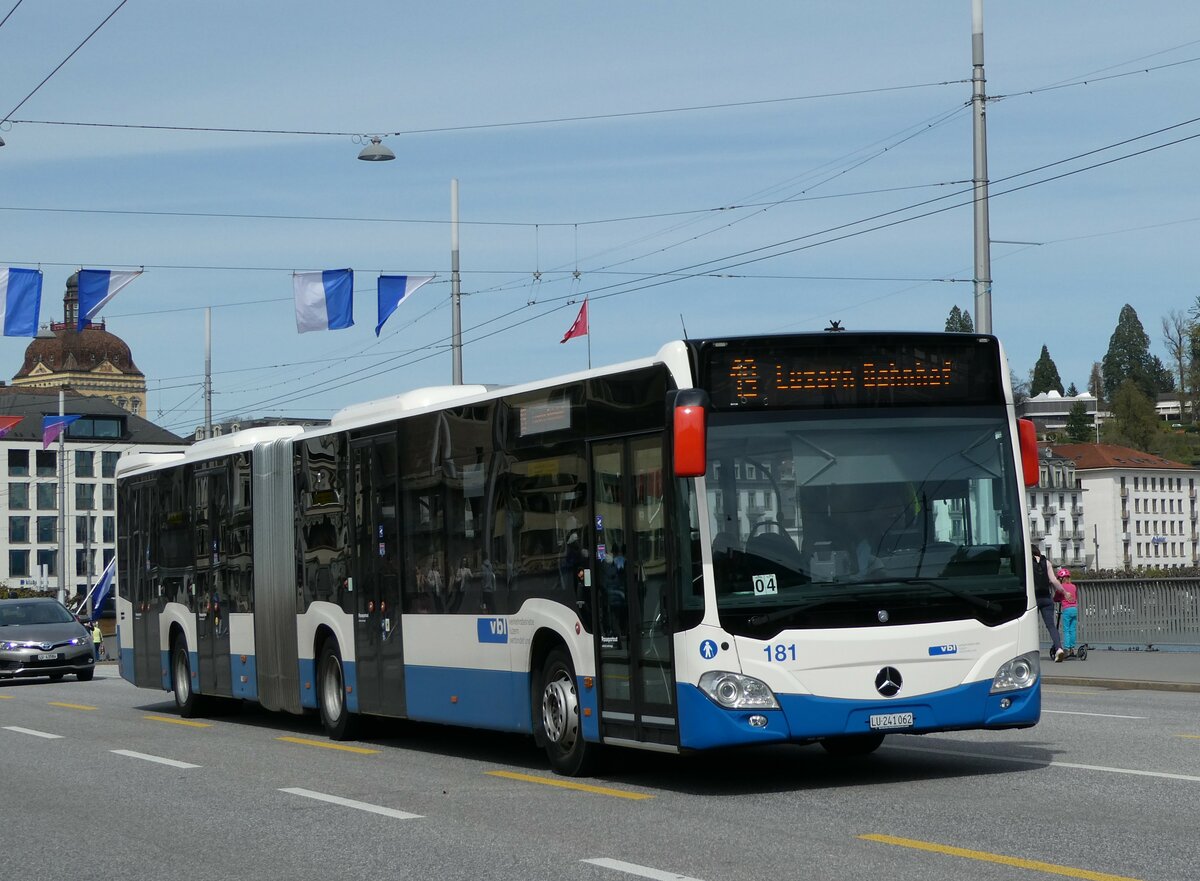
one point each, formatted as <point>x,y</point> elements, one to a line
<point>186,700</point>
<point>560,723</point>
<point>852,745</point>
<point>339,723</point>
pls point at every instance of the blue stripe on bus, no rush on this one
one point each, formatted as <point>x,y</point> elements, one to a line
<point>703,724</point>
<point>308,684</point>
<point>244,667</point>
<point>495,699</point>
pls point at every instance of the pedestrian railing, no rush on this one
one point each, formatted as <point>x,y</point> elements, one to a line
<point>1140,613</point>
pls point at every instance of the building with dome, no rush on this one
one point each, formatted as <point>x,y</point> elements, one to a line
<point>91,361</point>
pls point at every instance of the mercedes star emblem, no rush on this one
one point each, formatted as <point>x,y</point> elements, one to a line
<point>888,681</point>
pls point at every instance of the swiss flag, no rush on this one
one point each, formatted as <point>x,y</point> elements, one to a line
<point>580,327</point>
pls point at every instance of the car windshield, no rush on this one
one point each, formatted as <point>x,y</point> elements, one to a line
<point>862,520</point>
<point>15,614</point>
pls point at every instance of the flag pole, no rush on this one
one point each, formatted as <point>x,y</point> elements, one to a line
<point>62,503</point>
<point>589,336</point>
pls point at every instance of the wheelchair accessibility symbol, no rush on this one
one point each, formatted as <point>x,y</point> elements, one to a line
<point>708,649</point>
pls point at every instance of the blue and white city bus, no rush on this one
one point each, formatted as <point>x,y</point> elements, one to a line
<point>804,538</point>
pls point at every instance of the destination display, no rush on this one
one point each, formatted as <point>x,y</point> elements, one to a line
<point>861,371</point>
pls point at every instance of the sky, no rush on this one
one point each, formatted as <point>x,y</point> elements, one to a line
<point>687,166</point>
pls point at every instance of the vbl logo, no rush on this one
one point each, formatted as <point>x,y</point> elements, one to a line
<point>493,629</point>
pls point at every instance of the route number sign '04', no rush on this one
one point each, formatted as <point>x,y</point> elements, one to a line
<point>764,585</point>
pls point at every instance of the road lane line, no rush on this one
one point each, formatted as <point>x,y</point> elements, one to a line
<point>984,856</point>
<point>149,758</point>
<point>325,744</point>
<point>1101,715</point>
<point>71,706</point>
<point>1190,736</point>
<point>173,721</point>
<point>32,732</point>
<point>6,697</point>
<point>1164,775</point>
<point>570,784</point>
<point>640,871</point>
<point>350,803</point>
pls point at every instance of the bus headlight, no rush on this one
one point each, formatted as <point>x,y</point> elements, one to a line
<point>1021,672</point>
<point>736,692</point>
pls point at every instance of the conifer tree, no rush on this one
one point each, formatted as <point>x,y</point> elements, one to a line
<point>959,321</point>
<point>1045,375</point>
<point>1128,355</point>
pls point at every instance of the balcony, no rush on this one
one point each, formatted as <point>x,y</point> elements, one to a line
<point>1125,536</point>
<point>1124,513</point>
<point>1077,511</point>
<point>1124,492</point>
<point>1076,534</point>
<point>1192,493</point>
<point>1049,510</point>
<point>1036,533</point>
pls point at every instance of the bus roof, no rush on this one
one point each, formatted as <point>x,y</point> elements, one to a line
<point>238,441</point>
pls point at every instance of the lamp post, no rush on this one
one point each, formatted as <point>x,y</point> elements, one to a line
<point>379,152</point>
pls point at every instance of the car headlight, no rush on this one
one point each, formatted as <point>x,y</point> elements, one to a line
<point>736,692</point>
<point>79,641</point>
<point>1021,672</point>
<point>9,646</point>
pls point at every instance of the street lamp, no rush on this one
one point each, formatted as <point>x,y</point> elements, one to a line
<point>377,152</point>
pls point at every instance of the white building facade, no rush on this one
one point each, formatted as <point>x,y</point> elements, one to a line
<point>1142,507</point>
<point>1056,512</point>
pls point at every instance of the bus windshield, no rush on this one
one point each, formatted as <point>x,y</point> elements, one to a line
<point>862,519</point>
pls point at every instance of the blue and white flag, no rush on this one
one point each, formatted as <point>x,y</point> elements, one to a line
<point>20,301</point>
<point>393,289</point>
<point>103,588</point>
<point>324,300</point>
<point>97,287</point>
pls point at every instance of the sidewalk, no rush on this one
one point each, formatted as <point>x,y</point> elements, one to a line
<point>1159,671</point>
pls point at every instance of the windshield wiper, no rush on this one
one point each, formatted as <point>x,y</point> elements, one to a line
<point>969,598</point>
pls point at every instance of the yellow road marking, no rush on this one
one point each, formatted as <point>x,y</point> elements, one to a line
<point>569,784</point>
<point>983,856</point>
<point>174,721</point>
<point>325,744</point>
<point>72,706</point>
<point>1190,736</point>
<point>6,697</point>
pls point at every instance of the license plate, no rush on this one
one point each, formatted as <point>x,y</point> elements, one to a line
<point>49,657</point>
<point>892,720</point>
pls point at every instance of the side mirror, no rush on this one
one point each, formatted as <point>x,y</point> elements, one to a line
<point>689,424</point>
<point>1027,438</point>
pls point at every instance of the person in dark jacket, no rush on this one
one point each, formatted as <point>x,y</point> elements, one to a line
<point>1046,589</point>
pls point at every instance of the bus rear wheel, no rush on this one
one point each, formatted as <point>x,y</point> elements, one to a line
<point>186,699</point>
<point>852,745</point>
<point>336,718</point>
<point>560,722</point>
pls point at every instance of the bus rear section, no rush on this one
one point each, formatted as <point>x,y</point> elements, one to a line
<point>862,512</point>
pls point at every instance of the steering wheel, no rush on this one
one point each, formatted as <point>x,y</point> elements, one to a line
<point>765,524</point>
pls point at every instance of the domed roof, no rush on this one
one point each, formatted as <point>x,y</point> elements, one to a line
<point>64,349</point>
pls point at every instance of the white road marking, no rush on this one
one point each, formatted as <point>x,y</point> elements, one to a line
<point>953,752</point>
<point>33,733</point>
<point>149,758</point>
<point>640,871</point>
<point>350,803</point>
<point>1101,715</point>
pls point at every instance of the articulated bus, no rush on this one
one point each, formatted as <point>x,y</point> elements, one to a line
<point>813,538</point>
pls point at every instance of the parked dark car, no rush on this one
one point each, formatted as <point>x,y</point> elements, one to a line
<point>40,637</point>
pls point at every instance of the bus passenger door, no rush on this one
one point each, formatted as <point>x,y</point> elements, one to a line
<point>378,642</point>
<point>630,590</point>
<point>213,603</point>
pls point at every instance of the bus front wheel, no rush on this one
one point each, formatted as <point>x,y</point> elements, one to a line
<point>338,721</point>
<point>561,727</point>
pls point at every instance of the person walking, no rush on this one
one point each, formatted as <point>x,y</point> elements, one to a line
<point>1070,610</point>
<point>1046,589</point>
<point>97,641</point>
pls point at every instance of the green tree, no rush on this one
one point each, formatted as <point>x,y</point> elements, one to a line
<point>1128,355</point>
<point>1045,375</point>
<point>1080,429</point>
<point>959,321</point>
<point>1096,383</point>
<point>1134,422</point>
<point>1072,391</point>
<point>1163,379</point>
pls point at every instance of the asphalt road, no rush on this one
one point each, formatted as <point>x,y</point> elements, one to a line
<point>102,780</point>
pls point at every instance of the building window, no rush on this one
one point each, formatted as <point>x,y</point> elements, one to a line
<point>18,463</point>
<point>47,497</point>
<point>47,530</point>
<point>83,563</point>
<point>18,496</point>
<point>18,563</point>
<point>18,530</point>
<point>110,530</point>
<point>47,463</point>
<point>108,463</point>
<point>83,531</point>
<point>85,496</point>
<point>109,494</point>
<point>85,463</point>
